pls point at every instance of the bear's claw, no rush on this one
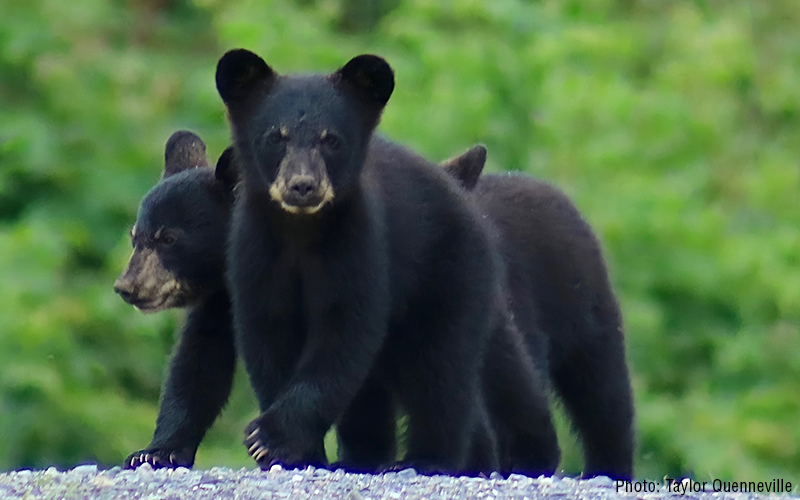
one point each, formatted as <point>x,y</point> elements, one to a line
<point>256,447</point>
<point>159,458</point>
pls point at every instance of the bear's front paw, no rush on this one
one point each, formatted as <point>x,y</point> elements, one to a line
<point>255,442</point>
<point>160,457</point>
<point>296,445</point>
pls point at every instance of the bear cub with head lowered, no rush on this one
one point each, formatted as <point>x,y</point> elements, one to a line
<point>178,260</point>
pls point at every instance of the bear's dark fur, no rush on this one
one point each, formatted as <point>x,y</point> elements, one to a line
<point>561,299</point>
<point>178,261</point>
<point>351,265</point>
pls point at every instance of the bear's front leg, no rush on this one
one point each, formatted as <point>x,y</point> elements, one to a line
<point>347,302</point>
<point>367,440</point>
<point>198,385</point>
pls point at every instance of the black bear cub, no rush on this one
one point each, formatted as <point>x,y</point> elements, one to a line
<point>561,300</point>
<point>178,261</point>
<point>359,273</point>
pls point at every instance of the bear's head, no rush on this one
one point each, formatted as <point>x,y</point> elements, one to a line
<point>180,233</point>
<point>302,139</point>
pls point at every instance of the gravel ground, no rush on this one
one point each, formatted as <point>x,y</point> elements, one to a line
<point>86,482</point>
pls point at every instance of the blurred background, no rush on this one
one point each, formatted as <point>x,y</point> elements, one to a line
<point>674,125</point>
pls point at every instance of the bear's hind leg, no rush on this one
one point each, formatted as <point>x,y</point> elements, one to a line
<point>366,432</point>
<point>518,401</point>
<point>592,381</point>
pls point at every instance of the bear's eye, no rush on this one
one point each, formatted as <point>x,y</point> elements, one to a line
<point>166,239</point>
<point>331,141</point>
<point>277,136</point>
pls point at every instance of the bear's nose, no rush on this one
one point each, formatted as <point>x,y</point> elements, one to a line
<point>302,186</point>
<point>125,288</point>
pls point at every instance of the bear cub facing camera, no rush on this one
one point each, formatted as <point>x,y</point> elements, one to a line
<point>352,265</point>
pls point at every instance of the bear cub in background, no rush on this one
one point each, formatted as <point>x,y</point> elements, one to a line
<point>559,294</point>
<point>178,261</point>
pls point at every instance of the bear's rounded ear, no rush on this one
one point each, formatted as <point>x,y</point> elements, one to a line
<point>466,168</point>
<point>184,150</point>
<point>370,75</point>
<point>227,171</point>
<point>239,73</point>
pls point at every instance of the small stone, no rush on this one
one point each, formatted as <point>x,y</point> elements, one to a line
<point>180,471</point>
<point>276,468</point>
<point>601,481</point>
<point>322,472</point>
<point>297,478</point>
<point>407,473</point>
<point>495,475</point>
<point>85,469</point>
<point>145,468</point>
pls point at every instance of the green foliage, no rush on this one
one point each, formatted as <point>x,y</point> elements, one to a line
<point>673,125</point>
